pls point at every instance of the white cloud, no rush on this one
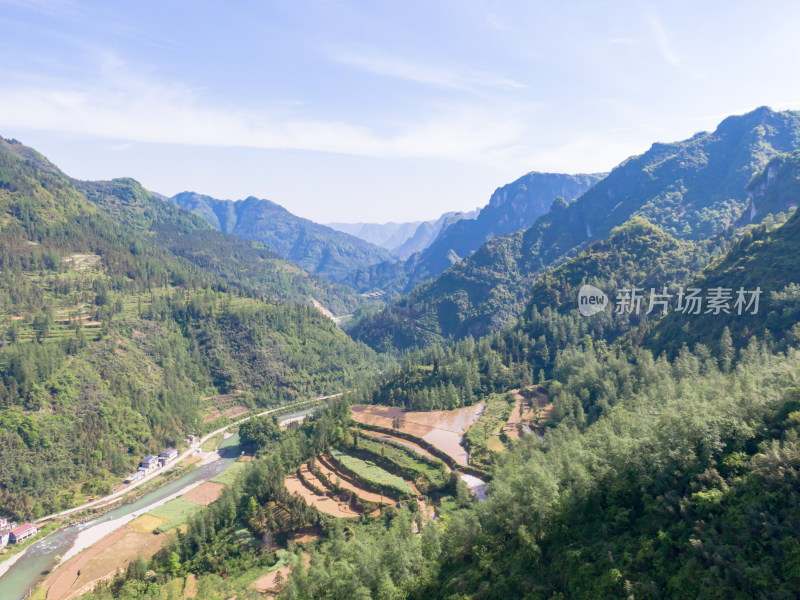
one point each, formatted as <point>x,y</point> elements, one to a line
<point>460,79</point>
<point>128,108</point>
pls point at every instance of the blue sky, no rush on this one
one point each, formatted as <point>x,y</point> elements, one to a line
<point>377,111</point>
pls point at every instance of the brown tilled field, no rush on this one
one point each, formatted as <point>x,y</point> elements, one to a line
<point>79,574</point>
<point>205,493</point>
<point>324,504</point>
<point>440,428</point>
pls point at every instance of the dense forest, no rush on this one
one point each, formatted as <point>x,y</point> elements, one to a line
<point>669,475</point>
<point>113,346</point>
<point>667,465</point>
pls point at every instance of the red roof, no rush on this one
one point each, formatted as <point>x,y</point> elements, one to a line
<point>23,528</point>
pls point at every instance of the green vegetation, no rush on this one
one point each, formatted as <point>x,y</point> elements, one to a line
<point>669,475</point>
<point>229,475</point>
<point>316,248</point>
<point>693,189</point>
<point>766,258</point>
<point>478,437</point>
<point>176,512</point>
<point>399,459</point>
<point>371,473</point>
<point>110,342</point>
<point>211,443</point>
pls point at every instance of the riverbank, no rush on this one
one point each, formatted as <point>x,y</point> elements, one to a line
<point>17,577</point>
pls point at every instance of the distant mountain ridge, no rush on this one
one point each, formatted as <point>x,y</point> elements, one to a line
<point>511,207</point>
<point>316,248</point>
<point>386,235</point>
<point>428,231</point>
<point>690,189</point>
<point>403,239</point>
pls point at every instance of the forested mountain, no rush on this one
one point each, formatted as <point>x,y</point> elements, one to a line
<point>637,254</point>
<point>691,189</point>
<point>512,207</point>
<point>316,248</point>
<point>240,262</point>
<point>655,477</point>
<point>775,190</point>
<point>767,260</point>
<point>113,346</point>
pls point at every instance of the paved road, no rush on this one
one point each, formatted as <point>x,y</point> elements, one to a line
<point>174,464</point>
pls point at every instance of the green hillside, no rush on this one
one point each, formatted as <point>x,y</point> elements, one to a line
<point>691,189</point>
<point>766,259</point>
<point>246,264</point>
<point>112,346</point>
<point>316,248</point>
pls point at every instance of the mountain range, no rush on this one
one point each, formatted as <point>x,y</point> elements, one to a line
<point>514,206</point>
<point>403,239</point>
<point>314,247</point>
<point>691,189</point>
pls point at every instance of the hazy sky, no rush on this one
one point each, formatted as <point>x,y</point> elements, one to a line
<point>376,111</point>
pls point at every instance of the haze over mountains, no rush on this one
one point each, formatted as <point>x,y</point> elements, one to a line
<point>691,189</point>
<point>403,239</point>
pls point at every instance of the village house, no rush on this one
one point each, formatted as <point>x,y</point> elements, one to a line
<point>5,534</point>
<point>23,532</point>
<point>149,462</point>
<point>167,455</point>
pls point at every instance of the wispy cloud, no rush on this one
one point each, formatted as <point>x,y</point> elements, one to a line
<point>125,107</point>
<point>462,79</point>
<point>661,37</point>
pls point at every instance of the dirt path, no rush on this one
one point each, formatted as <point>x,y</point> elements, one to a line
<point>269,584</point>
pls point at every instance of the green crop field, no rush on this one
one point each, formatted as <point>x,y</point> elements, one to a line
<point>400,458</point>
<point>176,512</point>
<point>228,476</point>
<point>371,473</point>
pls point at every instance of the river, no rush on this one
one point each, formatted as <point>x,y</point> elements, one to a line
<point>36,561</point>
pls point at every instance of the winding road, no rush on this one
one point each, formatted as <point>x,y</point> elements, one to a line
<point>186,453</point>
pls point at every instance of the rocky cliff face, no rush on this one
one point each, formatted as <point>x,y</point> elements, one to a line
<point>514,206</point>
<point>775,190</point>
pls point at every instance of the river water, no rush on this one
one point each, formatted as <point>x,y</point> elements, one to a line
<point>33,565</point>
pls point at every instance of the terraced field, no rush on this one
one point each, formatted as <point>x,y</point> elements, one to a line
<point>416,448</point>
<point>442,429</point>
<point>322,503</point>
<point>344,481</point>
<point>405,458</point>
<point>371,473</point>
